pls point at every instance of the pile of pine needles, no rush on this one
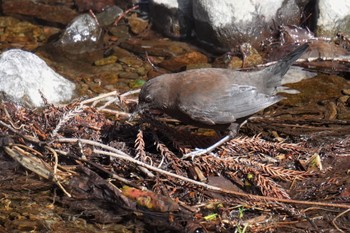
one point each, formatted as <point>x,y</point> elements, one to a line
<point>112,169</point>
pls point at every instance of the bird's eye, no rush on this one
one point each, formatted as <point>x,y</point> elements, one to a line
<point>148,98</point>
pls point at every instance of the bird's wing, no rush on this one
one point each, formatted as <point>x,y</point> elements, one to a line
<point>235,102</point>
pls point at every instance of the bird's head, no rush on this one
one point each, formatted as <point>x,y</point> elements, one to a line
<point>155,95</point>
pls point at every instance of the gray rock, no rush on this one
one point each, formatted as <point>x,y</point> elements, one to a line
<point>333,17</point>
<point>227,23</point>
<point>224,24</point>
<point>24,77</point>
<point>83,35</point>
<point>109,15</point>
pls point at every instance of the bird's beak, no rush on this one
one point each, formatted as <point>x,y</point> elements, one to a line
<point>133,116</point>
<point>144,109</point>
<point>138,111</point>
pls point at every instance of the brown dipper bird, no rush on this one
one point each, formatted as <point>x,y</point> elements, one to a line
<point>216,98</point>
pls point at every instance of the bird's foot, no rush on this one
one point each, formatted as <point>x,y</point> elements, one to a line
<point>197,152</point>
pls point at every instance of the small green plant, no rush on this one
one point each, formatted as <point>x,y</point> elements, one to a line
<point>239,228</point>
<point>240,212</point>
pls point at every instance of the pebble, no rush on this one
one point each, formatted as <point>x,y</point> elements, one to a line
<point>346,91</point>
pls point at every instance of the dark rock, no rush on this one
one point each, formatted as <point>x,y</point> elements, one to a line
<point>172,18</point>
<point>52,12</point>
<point>94,5</point>
<point>178,62</point>
<point>109,15</point>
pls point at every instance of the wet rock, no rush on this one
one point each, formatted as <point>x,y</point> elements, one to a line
<point>24,77</point>
<point>96,87</point>
<point>128,75</point>
<point>157,47</point>
<point>102,81</point>
<point>121,31</point>
<point>333,18</point>
<point>227,24</point>
<point>137,25</point>
<point>235,63</point>
<point>251,57</point>
<point>318,89</point>
<point>131,61</point>
<point>324,49</point>
<point>46,10</point>
<point>121,53</point>
<point>331,110</point>
<point>141,70</point>
<point>320,54</point>
<point>324,55</point>
<point>125,4</point>
<point>94,5</point>
<point>105,78</point>
<point>156,72</point>
<point>344,99</point>
<point>106,61</point>
<point>292,34</point>
<point>109,15</point>
<point>343,111</point>
<point>172,18</point>
<point>83,35</point>
<point>198,66</point>
<point>179,62</point>
<point>21,34</point>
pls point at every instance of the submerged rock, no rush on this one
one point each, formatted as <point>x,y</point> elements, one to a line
<point>94,5</point>
<point>83,35</point>
<point>50,11</point>
<point>109,15</point>
<point>172,17</point>
<point>26,78</point>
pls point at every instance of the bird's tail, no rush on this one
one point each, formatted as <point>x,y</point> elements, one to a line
<point>282,66</point>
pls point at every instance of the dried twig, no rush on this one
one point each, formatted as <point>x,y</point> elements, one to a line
<point>36,165</point>
<point>275,172</point>
<point>55,177</point>
<point>339,215</point>
<point>124,14</point>
<point>103,146</point>
<point>140,146</point>
<point>257,144</point>
<point>150,62</point>
<point>65,118</point>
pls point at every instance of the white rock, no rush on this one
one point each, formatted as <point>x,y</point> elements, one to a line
<point>23,76</point>
<point>334,17</point>
<point>222,13</point>
<point>227,23</point>
<point>168,3</point>
<point>224,24</point>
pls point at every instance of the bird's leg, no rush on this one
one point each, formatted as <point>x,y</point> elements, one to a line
<point>233,130</point>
